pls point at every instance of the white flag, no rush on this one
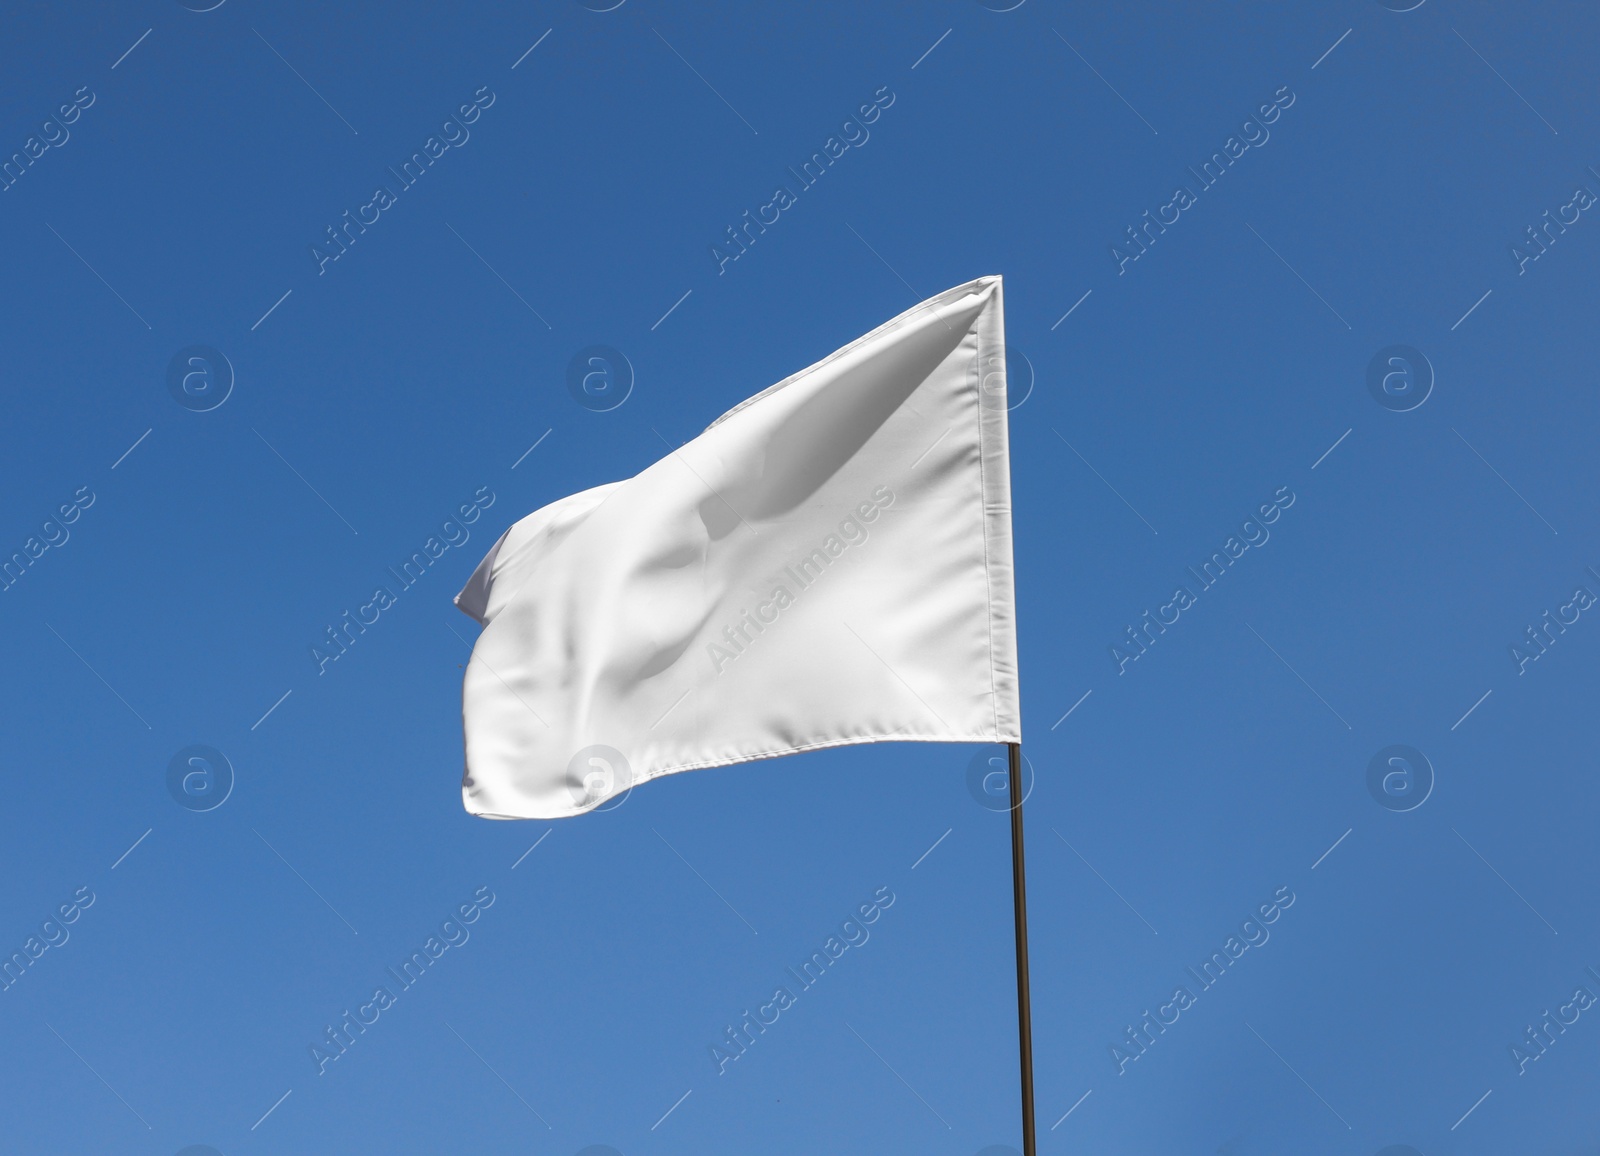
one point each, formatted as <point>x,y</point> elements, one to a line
<point>828,563</point>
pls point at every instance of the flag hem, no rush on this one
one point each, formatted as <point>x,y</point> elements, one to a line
<point>662,772</point>
<point>934,302</point>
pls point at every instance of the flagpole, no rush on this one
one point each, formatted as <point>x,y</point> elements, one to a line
<point>1020,901</point>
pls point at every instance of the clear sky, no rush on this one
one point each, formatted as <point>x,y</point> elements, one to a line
<point>1329,360</point>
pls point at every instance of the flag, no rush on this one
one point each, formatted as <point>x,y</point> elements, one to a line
<point>828,563</point>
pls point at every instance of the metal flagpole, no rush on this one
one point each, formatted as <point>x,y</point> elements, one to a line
<point>1020,899</point>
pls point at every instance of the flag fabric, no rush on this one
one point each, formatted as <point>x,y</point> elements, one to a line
<point>828,563</point>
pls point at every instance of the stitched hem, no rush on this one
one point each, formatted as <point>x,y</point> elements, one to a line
<point>779,752</point>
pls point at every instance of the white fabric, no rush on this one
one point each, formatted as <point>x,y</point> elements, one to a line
<point>828,563</point>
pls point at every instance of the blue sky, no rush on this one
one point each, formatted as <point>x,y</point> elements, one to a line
<point>1375,175</point>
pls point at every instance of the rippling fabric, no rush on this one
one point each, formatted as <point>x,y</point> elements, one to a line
<point>828,563</point>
